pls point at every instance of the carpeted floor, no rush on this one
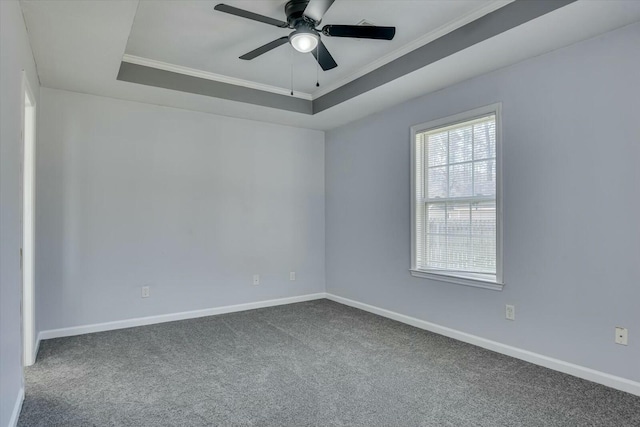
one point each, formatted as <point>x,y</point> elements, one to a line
<point>316,363</point>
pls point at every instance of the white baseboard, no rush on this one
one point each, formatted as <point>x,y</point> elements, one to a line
<point>150,320</point>
<point>599,377</point>
<point>13,421</point>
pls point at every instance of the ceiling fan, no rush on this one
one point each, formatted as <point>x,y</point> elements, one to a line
<point>303,16</point>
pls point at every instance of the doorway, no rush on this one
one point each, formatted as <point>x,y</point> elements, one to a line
<point>28,222</point>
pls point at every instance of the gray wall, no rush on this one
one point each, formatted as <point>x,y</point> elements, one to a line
<point>189,203</point>
<point>571,202</point>
<point>16,56</point>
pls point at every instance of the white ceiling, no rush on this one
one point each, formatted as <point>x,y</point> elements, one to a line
<point>79,45</point>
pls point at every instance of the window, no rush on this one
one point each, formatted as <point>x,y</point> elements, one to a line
<point>456,199</point>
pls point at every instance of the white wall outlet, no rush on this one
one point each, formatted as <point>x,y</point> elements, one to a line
<point>146,292</point>
<point>622,335</point>
<point>256,279</point>
<point>292,275</point>
<point>510,312</point>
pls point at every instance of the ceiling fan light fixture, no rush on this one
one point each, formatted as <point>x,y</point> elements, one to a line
<point>304,16</point>
<point>304,40</point>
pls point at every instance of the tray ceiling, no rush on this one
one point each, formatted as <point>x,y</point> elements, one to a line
<point>80,46</point>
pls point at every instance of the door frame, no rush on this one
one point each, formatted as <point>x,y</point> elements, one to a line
<point>27,205</point>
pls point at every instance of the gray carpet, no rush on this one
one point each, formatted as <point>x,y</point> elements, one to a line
<point>316,363</point>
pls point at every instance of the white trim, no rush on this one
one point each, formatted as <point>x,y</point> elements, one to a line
<point>496,110</point>
<point>152,63</point>
<point>499,198</point>
<point>413,45</point>
<point>461,279</point>
<point>455,119</point>
<point>589,374</point>
<point>37,347</point>
<point>28,189</point>
<point>150,320</point>
<point>17,407</point>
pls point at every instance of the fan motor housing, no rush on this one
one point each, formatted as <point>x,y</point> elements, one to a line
<point>294,10</point>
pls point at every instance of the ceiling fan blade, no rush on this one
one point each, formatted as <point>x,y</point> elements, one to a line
<point>317,8</point>
<point>266,48</point>
<point>359,31</point>
<point>323,57</point>
<point>250,15</point>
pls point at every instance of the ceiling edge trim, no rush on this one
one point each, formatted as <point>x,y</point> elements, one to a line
<point>503,19</point>
<point>152,63</point>
<point>489,25</point>
<point>150,76</point>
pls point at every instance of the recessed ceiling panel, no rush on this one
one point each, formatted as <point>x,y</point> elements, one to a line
<point>192,34</point>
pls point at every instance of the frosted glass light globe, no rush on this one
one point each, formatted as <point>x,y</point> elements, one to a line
<point>304,42</point>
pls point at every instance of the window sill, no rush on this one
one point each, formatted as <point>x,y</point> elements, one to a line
<point>466,280</point>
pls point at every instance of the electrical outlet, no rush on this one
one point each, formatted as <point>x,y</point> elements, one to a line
<point>146,292</point>
<point>510,312</point>
<point>622,335</point>
<point>256,279</point>
<point>292,275</point>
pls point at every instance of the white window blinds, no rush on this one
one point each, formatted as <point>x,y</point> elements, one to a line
<point>455,198</point>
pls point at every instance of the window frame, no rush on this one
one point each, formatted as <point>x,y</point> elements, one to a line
<point>461,278</point>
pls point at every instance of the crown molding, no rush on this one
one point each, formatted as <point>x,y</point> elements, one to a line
<point>152,63</point>
<point>421,41</point>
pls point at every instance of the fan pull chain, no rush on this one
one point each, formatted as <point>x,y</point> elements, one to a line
<point>291,72</point>
<point>318,65</point>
